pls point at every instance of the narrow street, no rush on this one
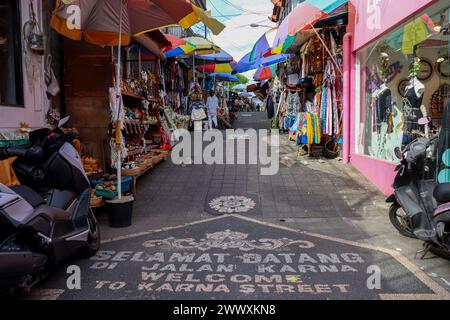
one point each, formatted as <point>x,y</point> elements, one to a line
<point>316,230</point>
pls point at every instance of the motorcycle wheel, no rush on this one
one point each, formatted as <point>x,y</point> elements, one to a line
<point>93,243</point>
<point>397,217</point>
<point>441,252</point>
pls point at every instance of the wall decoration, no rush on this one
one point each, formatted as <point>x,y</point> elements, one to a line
<point>426,70</point>
<point>443,68</point>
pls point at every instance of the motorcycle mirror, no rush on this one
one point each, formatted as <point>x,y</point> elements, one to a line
<point>398,153</point>
<point>63,121</point>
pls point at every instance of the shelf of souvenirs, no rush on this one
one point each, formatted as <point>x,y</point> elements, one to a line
<point>135,150</point>
<point>138,97</point>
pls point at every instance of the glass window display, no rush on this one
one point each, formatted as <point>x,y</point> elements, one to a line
<point>403,81</point>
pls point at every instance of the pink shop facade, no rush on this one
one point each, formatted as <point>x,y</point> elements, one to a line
<point>396,72</point>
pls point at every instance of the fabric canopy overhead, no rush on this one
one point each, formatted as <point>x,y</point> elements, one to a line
<point>99,20</point>
<point>246,65</point>
<point>303,17</point>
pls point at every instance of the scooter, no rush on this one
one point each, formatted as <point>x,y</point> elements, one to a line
<point>47,218</point>
<point>420,207</point>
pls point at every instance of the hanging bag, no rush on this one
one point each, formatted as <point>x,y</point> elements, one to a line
<point>32,33</point>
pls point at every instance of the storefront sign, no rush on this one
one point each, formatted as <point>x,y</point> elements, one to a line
<point>375,17</point>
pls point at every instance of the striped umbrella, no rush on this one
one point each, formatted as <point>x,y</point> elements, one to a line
<point>246,65</point>
<point>304,16</point>
<point>177,47</point>
<point>216,68</point>
<point>202,45</point>
<point>263,47</point>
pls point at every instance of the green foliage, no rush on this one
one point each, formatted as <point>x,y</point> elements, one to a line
<point>242,79</point>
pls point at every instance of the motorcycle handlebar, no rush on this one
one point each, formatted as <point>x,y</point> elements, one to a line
<point>34,153</point>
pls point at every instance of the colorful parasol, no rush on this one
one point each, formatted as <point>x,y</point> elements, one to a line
<point>177,47</point>
<point>245,64</point>
<point>304,16</point>
<point>265,73</point>
<point>98,22</point>
<point>202,45</point>
<point>216,68</point>
<point>263,47</point>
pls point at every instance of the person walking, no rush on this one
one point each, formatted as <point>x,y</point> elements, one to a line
<point>212,103</point>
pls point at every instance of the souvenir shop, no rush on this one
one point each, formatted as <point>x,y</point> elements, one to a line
<point>307,93</point>
<point>148,120</point>
<point>402,82</point>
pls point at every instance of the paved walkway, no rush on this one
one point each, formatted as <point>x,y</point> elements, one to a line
<point>336,209</point>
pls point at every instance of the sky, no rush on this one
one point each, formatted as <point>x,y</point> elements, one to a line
<point>238,37</point>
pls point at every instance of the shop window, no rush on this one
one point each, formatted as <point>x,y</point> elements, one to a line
<point>11,93</point>
<point>404,78</point>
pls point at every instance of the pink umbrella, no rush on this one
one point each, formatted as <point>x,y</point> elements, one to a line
<point>303,17</point>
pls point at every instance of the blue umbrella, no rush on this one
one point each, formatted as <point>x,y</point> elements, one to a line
<point>224,77</point>
<point>221,57</point>
<point>246,65</point>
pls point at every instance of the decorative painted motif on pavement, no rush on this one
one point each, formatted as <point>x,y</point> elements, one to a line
<point>226,240</point>
<point>232,204</point>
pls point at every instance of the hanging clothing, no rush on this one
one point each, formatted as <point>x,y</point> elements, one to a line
<point>329,104</point>
<point>293,104</point>
<point>411,109</point>
<point>306,129</point>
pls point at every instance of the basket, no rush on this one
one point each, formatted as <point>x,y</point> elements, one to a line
<point>131,172</point>
<point>96,201</point>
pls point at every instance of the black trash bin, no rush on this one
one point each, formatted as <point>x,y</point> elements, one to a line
<point>120,212</point>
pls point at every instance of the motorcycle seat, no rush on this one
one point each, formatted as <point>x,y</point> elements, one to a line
<point>29,195</point>
<point>442,193</point>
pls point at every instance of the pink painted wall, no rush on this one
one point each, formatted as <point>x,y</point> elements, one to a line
<point>35,100</point>
<point>380,173</point>
<point>374,17</point>
<point>393,13</point>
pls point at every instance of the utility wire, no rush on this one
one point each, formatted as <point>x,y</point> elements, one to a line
<point>243,9</point>
<point>220,13</point>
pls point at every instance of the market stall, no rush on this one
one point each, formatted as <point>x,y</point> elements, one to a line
<point>308,92</point>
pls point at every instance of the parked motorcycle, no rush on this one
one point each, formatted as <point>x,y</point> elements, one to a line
<point>47,218</point>
<point>420,207</point>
